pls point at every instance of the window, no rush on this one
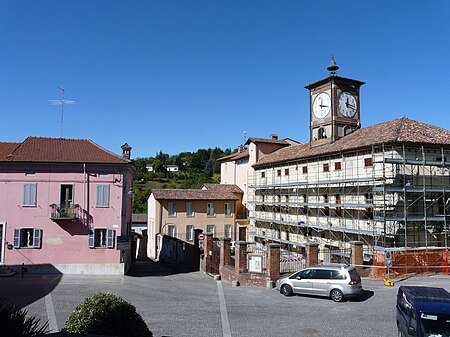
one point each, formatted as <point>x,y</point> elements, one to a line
<point>210,209</point>
<point>337,275</point>
<point>27,238</point>
<point>189,233</point>
<point>171,231</point>
<point>367,162</point>
<point>305,169</point>
<point>102,196</point>
<point>29,195</point>
<point>172,209</point>
<point>278,173</point>
<point>326,167</point>
<point>227,232</point>
<point>322,274</point>
<point>101,238</point>
<point>189,209</point>
<point>337,166</point>
<point>211,229</point>
<point>228,210</point>
<point>286,172</point>
<point>263,174</point>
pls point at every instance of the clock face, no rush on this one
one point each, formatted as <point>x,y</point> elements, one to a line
<point>347,104</point>
<point>322,105</point>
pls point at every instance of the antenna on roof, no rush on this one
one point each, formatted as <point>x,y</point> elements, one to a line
<point>61,102</point>
<point>245,136</point>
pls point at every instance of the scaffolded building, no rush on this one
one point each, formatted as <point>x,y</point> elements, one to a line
<point>387,185</point>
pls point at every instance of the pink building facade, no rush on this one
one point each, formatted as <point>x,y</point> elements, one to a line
<point>65,206</point>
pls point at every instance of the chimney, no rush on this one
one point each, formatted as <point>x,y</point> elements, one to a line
<point>241,148</point>
<point>273,136</point>
<point>126,151</point>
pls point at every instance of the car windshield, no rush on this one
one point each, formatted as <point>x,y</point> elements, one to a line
<point>435,325</point>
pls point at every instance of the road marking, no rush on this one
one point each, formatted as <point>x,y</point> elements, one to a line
<point>51,315</point>
<point>226,332</point>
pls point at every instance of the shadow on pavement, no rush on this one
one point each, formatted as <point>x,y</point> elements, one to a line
<point>365,295</point>
<point>37,282</point>
<point>151,268</point>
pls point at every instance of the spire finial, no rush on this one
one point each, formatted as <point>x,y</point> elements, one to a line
<point>333,67</point>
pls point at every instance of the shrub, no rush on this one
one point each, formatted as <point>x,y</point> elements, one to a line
<point>14,322</point>
<point>109,315</point>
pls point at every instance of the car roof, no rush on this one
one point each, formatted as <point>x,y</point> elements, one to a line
<point>336,266</point>
<point>426,294</point>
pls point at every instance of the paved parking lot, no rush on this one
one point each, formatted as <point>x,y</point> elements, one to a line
<point>193,304</point>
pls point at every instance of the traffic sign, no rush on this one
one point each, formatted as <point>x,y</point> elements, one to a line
<point>201,236</point>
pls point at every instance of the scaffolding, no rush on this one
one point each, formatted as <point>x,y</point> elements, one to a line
<point>389,196</point>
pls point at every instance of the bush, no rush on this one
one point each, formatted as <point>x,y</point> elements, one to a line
<point>15,323</point>
<point>109,315</point>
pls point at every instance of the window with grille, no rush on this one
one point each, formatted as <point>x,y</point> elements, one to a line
<point>367,162</point>
<point>305,169</point>
<point>326,167</point>
<point>101,238</point>
<point>337,166</point>
<point>27,238</point>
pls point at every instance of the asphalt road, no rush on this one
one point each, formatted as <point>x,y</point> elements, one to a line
<point>193,304</point>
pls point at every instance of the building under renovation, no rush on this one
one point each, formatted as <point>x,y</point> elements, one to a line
<point>387,185</point>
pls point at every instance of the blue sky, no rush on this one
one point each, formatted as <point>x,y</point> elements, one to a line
<point>182,75</point>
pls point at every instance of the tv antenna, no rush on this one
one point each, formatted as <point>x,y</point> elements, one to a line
<point>61,102</point>
<point>244,133</point>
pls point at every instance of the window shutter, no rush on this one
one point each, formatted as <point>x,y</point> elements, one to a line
<point>91,238</point>
<point>37,238</point>
<point>32,194</point>
<point>110,238</point>
<point>106,195</point>
<point>16,238</point>
<point>102,196</point>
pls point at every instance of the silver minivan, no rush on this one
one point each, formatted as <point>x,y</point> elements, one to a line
<point>338,281</point>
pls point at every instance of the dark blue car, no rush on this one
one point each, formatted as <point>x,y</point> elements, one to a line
<point>423,312</point>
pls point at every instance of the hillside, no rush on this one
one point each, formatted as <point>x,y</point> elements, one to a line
<point>194,170</point>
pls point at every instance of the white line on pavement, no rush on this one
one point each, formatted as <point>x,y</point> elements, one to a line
<point>51,315</point>
<point>226,332</point>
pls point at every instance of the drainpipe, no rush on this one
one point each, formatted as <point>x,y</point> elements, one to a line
<point>84,192</point>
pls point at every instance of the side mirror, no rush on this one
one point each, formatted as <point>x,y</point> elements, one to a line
<point>411,331</point>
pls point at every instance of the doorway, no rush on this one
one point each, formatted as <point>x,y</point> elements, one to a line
<point>66,200</point>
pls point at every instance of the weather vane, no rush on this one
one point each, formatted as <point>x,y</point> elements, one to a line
<point>61,102</point>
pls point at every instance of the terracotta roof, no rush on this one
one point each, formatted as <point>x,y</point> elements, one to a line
<point>235,156</point>
<point>266,140</point>
<point>401,130</point>
<point>59,150</point>
<point>231,188</point>
<point>6,149</point>
<point>194,194</point>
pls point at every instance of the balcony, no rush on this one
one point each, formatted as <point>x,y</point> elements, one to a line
<point>65,212</point>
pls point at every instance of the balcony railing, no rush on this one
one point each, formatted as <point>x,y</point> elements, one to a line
<point>65,212</point>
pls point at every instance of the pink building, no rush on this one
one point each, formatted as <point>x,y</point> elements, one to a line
<point>65,206</point>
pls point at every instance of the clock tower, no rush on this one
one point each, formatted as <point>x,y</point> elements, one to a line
<point>334,107</point>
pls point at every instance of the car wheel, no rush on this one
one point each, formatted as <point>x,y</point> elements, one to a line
<point>336,295</point>
<point>286,290</point>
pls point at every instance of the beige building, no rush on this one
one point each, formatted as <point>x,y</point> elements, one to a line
<point>237,168</point>
<point>214,209</point>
